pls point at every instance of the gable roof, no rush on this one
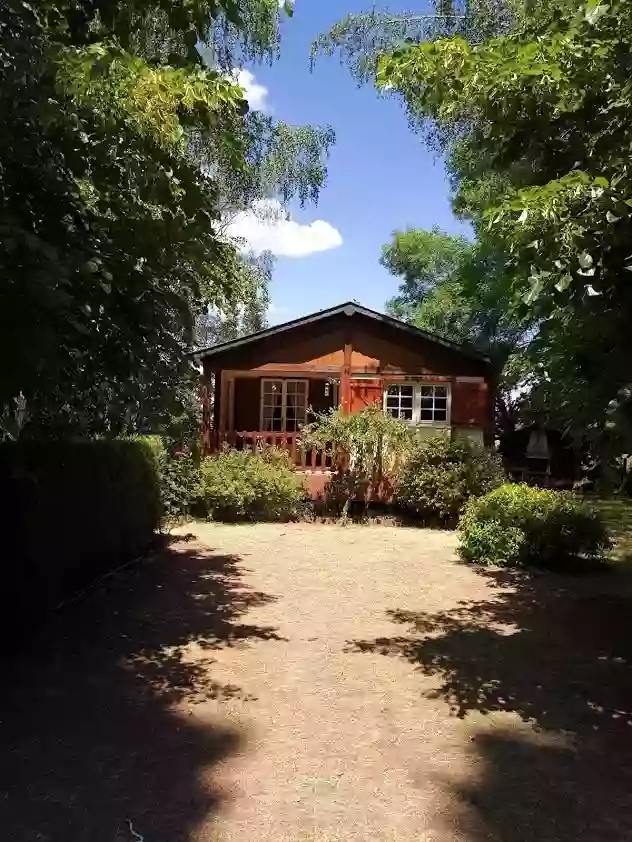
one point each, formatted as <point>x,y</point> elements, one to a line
<point>349,308</point>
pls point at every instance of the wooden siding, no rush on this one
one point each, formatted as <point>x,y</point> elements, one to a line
<point>375,349</point>
<point>470,405</point>
<point>365,393</point>
<point>381,350</point>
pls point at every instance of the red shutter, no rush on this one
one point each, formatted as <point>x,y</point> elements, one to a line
<point>365,393</point>
<point>470,404</point>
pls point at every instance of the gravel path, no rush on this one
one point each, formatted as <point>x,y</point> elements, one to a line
<point>311,683</point>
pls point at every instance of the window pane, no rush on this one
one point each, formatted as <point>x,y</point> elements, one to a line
<point>426,391</point>
<point>440,415</point>
<point>441,391</point>
<point>426,415</point>
<point>393,390</point>
<point>272,387</point>
<point>441,403</point>
<point>406,414</point>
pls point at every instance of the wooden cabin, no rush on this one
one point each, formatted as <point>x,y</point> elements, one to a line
<point>260,389</point>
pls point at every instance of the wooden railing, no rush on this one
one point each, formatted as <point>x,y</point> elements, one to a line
<point>306,459</point>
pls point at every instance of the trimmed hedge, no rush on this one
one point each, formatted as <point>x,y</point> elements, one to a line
<point>72,510</point>
<point>242,485</point>
<point>440,475</point>
<point>518,525</point>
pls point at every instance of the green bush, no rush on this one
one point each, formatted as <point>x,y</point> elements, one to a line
<point>365,447</point>
<point>241,485</point>
<point>72,510</point>
<point>179,473</point>
<point>440,476</point>
<point>518,525</point>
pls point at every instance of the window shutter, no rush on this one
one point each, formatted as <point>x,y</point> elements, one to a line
<point>365,392</point>
<point>470,403</point>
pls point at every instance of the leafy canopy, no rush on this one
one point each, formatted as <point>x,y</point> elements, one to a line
<point>123,145</point>
<point>548,109</point>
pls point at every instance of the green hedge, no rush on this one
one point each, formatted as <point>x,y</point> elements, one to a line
<point>241,485</point>
<point>518,525</point>
<point>440,475</point>
<point>72,510</point>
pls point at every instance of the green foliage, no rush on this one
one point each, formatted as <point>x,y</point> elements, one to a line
<point>530,103</point>
<point>360,39</point>
<point>121,144</point>
<point>454,287</point>
<point>462,290</point>
<point>72,510</point>
<point>517,525</point>
<point>440,476</point>
<point>242,485</point>
<point>424,260</point>
<point>372,438</point>
<point>364,446</point>
<point>538,123</point>
<point>180,483</point>
<point>179,476</point>
<point>107,242</point>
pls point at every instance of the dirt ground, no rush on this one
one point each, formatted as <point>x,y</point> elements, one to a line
<point>310,683</point>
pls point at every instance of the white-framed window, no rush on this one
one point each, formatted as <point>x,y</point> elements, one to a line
<point>418,403</point>
<point>283,405</point>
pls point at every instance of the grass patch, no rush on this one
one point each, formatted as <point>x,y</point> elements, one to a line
<point>617,514</point>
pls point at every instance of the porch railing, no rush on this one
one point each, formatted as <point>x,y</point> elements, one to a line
<point>306,459</point>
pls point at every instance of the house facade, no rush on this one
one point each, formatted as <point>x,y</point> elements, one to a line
<point>262,388</point>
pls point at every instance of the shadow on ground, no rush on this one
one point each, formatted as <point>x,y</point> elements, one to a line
<point>558,653</point>
<point>90,733</point>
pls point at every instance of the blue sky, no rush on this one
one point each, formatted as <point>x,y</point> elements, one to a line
<point>381,177</point>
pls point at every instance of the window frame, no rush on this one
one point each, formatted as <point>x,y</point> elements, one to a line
<point>416,420</point>
<point>284,405</point>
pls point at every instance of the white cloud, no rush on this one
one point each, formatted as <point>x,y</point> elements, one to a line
<point>267,228</point>
<point>254,92</point>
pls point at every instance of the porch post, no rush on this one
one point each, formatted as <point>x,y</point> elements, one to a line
<point>345,380</point>
<point>223,404</point>
<point>207,422</point>
<point>231,403</point>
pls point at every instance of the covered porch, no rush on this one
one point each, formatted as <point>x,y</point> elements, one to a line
<point>251,411</point>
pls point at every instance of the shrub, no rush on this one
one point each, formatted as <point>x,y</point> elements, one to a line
<point>179,474</point>
<point>522,525</point>
<point>72,510</point>
<point>440,476</point>
<point>371,444</point>
<point>242,485</point>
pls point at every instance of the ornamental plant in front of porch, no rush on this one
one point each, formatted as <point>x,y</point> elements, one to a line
<point>365,447</point>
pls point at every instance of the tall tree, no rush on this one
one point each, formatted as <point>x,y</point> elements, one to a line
<point>548,110</point>
<point>110,241</point>
<point>461,290</point>
<point>424,260</point>
<point>533,115</point>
